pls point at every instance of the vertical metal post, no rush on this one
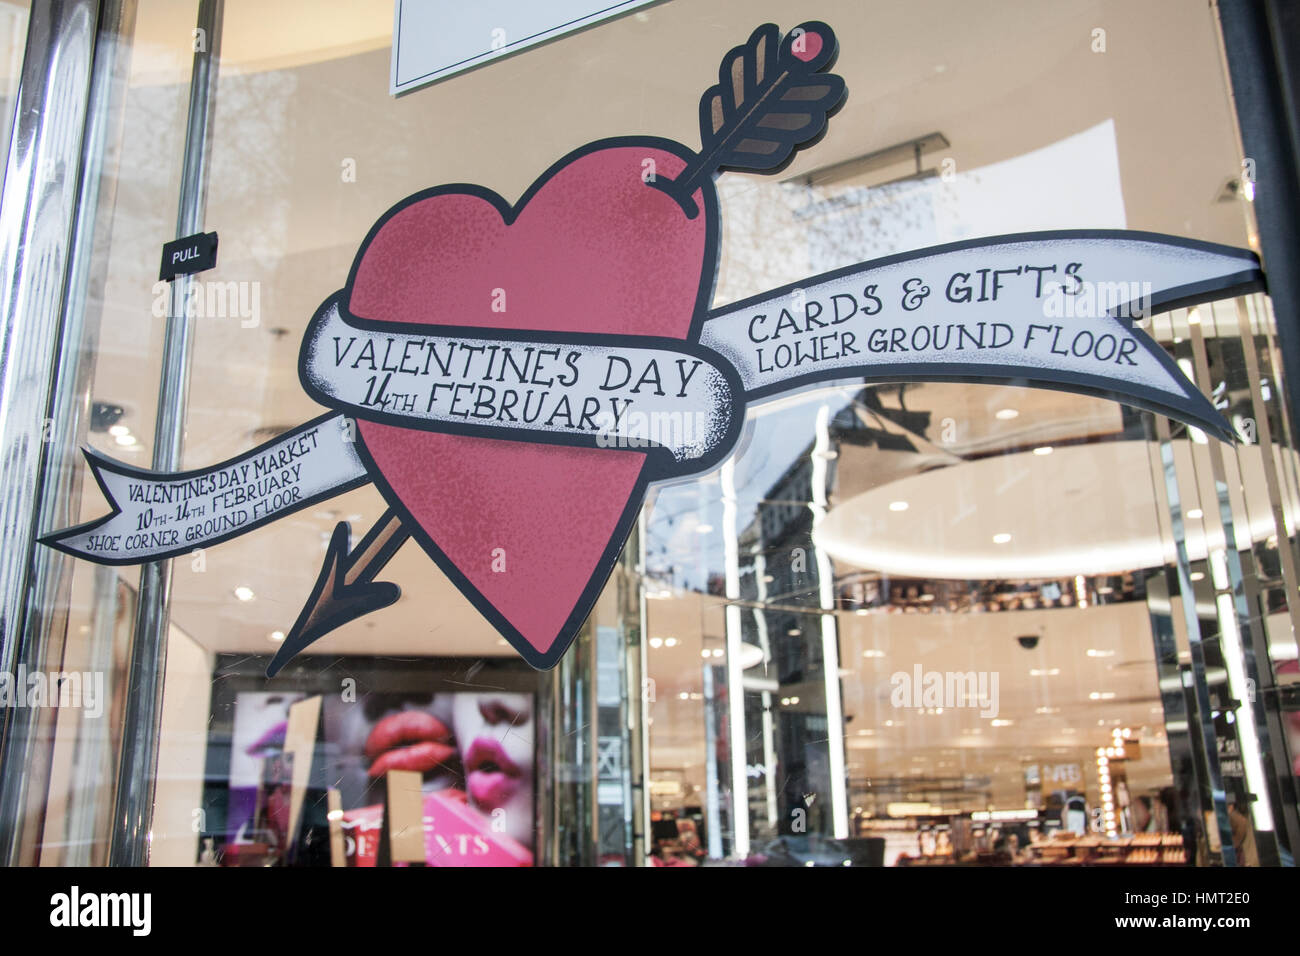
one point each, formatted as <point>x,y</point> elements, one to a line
<point>37,217</point>
<point>137,768</point>
<point>1258,38</point>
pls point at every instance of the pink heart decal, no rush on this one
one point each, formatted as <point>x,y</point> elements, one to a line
<point>590,248</point>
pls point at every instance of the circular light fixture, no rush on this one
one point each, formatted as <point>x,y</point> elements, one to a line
<point>1043,450</point>
<point>1195,513</point>
<point>670,642</point>
<point>656,642</point>
<point>277,636</point>
<point>898,506</point>
<point>1006,414</point>
<point>1001,538</point>
<point>116,430</point>
<point>244,593</point>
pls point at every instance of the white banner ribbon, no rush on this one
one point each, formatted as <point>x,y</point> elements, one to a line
<point>606,392</point>
<point>161,516</point>
<point>1060,310</point>
<point>1055,310</point>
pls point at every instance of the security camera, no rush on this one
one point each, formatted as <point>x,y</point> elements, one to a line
<point>1028,641</point>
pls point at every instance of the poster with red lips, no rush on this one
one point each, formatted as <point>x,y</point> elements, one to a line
<point>459,732</point>
<point>474,752</point>
<point>513,376</point>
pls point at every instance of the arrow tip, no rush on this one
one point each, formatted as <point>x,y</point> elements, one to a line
<point>333,602</point>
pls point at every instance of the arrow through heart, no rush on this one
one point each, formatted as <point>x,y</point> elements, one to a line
<point>513,377</point>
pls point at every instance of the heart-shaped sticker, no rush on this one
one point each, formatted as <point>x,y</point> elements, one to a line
<point>530,532</point>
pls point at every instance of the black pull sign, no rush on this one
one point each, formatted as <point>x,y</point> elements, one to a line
<point>183,257</point>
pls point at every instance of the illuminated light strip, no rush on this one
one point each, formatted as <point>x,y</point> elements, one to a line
<point>1260,809</point>
<point>735,688</point>
<point>830,635</point>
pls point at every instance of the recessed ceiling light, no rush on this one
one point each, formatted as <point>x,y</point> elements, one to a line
<point>116,430</point>
<point>717,652</point>
<point>794,632</point>
<point>1044,671</point>
<point>127,439</point>
<point>1001,538</point>
<point>244,593</point>
<point>1006,414</point>
<point>1097,652</point>
<point>706,653</point>
<point>1195,513</point>
<point>873,653</point>
<point>1000,722</point>
<point>898,506</point>
<point>1043,450</point>
<point>1102,695</point>
<point>277,636</point>
<point>670,642</point>
<point>1197,575</point>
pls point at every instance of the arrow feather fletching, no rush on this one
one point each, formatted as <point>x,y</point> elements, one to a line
<point>770,99</point>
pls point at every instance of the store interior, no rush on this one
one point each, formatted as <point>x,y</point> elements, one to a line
<point>865,537</point>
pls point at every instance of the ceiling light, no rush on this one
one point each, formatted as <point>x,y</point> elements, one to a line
<point>1044,671</point>
<point>898,506</point>
<point>794,632</point>
<point>128,439</point>
<point>1001,538</point>
<point>1096,652</point>
<point>116,430</point>
<point>704,528</point>
<point>1000,722</point>
<point>706,653</point>
<point>277,636</point>
<point>873,653</point>
<point>1043,450</point>
<point>717,652</point>
<point>670,642</point>
<point>656,642</point>
<point>244,593</point>
<point>1102,695</point>
<point>1195,513</point>
<point>1006,414</point>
